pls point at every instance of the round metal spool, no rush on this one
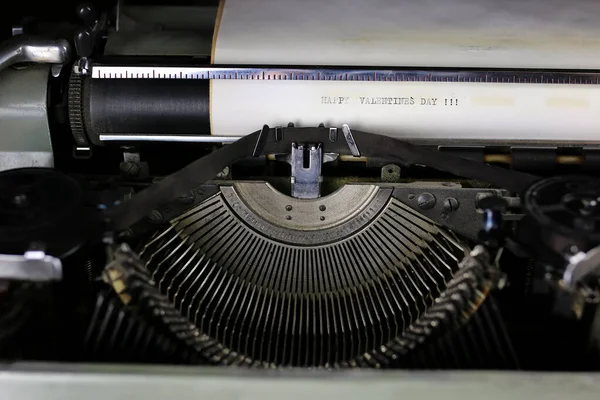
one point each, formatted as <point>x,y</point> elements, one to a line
<point>567,208</point>
<point>40,206</point>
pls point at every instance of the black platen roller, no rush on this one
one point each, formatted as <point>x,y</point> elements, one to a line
<point>150,106</point>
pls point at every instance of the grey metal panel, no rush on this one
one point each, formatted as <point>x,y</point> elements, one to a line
<point>24,131</point>
<point>74,382</point>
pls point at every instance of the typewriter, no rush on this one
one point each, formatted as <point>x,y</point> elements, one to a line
<point>299,190</point>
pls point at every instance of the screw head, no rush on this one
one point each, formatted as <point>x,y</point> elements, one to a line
<point>288,208</point>
<point>21,200</point>
<point>426,201</point>
<point>451,204</point>
<point>322,208</point>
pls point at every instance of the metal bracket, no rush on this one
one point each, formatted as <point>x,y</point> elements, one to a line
<point>582,266</point>
<point>82,153</point>
<point>260,142</point>
<point>22,49</point>
<point>271,140</point>
<point>33,266</point>
<point>132,165</point>
<point>306,161</point>
<point>448,204</point>
<point>82,67</point>
<point>350,140</point>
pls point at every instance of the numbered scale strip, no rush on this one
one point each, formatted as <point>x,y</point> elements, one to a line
<point>344,74</point>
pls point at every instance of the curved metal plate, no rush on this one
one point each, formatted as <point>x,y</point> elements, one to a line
<point>306,222</point>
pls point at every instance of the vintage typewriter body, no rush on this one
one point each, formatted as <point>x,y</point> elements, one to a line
<point>187,184</point>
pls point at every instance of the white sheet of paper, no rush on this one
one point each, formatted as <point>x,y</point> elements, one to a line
<point>413,110</point>
<point>432,33</point>
<point>421,33</point>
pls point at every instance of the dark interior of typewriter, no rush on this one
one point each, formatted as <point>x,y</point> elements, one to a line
<point>166,201</point>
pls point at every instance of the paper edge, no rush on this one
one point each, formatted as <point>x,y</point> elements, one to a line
<point>220,10</point>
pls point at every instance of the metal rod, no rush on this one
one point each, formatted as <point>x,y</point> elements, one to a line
<point>167,138</point>
<point>441,143</point>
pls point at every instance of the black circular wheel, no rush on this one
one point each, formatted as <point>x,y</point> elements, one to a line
<point>568,206</point>
<point>39,205</point>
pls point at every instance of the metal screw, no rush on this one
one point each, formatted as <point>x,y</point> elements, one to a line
<point>288,208</point>
<point>411,196</point>
<point>322,208</point>
<point>451,204</point>
<point>156,217</point>
<point>426,201</point>
<point>322,218</point>
<point>288,217</point>
<point>20,200</point>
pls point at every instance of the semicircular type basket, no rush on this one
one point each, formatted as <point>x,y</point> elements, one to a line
<point>357,278</point>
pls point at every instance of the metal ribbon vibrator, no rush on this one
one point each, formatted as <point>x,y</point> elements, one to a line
<point>157,207</point>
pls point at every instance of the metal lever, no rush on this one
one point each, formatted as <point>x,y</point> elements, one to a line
<point>350,140</point>
<point>84,42</point>
<point>33,266</point>
<point>21,49</point>
<point>493,208</point>
<point>86,36</point>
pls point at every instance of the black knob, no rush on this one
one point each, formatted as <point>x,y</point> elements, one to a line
<point>87,14</point>
<point>84,43</point>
